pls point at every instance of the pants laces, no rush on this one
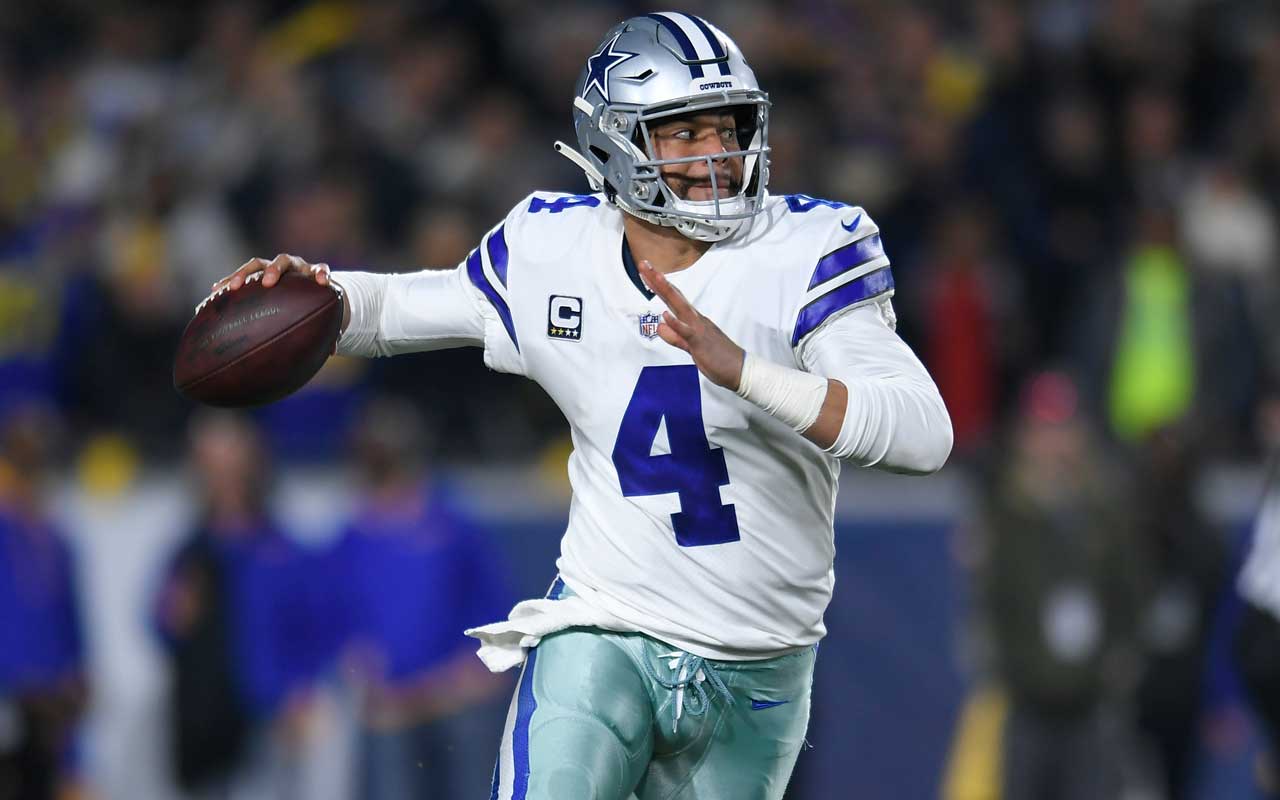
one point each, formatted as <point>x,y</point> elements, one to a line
<point>690,670</point>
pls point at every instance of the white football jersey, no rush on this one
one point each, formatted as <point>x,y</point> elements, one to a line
<point>696,517</point>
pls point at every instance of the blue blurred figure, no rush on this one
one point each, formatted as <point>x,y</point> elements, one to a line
<point>418,575</point>
<point>42,687</point>
<point>247,625</point>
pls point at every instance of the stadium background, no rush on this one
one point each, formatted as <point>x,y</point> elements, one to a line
<point>1073,186</point>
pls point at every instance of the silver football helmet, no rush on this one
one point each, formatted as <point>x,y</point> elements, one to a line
<point>649,69</point>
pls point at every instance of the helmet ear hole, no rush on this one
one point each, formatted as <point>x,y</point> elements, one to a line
<point>747,124</point>
<point>602,156</point>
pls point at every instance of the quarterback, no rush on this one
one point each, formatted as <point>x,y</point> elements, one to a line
<point>719,353</point>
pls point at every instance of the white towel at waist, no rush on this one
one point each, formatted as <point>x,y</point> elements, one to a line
<point>503,644</point>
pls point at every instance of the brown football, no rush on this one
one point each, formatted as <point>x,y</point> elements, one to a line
<point>256,345</point>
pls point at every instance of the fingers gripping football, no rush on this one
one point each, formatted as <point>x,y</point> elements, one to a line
<point>271,270</point>
<point>714,353</point>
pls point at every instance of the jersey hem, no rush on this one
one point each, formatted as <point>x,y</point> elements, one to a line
<point>599,601</point>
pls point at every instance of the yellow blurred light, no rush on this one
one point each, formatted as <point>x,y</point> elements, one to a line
<point>313,31</point>
<point>954,84</point>
<point>108,465</point>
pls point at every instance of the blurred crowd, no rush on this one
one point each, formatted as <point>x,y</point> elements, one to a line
<point>1079,199</point>
<point>335,669</point>
<point>1090,185</point>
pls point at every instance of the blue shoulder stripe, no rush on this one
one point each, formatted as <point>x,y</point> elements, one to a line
<point>498,254</point>
<point>855,291</point>
<point>475,271</point>
<point>686,46</point>
<point>851,256</point>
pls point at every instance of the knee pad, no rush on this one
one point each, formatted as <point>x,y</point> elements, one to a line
<point>573,754</point>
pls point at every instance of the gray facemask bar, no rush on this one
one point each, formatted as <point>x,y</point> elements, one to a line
<point>755,159</point>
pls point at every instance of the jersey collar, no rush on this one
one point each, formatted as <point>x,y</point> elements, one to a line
<point>629,264</point>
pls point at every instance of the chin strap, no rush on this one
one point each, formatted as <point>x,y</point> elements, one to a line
<point>691,228</point>
<point>593,174</point>
<point>597,183</point>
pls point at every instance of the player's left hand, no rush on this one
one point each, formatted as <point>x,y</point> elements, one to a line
<point>682,326</point>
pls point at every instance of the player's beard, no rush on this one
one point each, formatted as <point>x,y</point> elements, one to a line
<point>682,186</point>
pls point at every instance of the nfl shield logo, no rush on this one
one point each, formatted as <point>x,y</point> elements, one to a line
<point>649,325</point>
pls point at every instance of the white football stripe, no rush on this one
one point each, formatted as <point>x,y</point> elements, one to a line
<point>700,44</point>
<point>843,278</point>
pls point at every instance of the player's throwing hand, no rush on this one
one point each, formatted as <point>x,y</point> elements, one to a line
<point>715,354</point>
<point>272,270</point>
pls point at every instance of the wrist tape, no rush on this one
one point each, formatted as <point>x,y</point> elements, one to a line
<point>792,396</point>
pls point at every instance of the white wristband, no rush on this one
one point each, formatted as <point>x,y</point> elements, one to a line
<point>363,292</point>
<point>792,396</point>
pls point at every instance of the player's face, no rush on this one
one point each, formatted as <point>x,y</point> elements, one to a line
<point>703,134</point>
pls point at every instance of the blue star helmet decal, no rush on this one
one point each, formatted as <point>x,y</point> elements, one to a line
<point>598,67</point>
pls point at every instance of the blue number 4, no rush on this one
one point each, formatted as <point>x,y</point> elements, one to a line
<point>693,469</point>
<point>561,203</point>
<point>801,203</point>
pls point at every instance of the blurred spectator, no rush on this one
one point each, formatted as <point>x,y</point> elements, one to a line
<point>972,325</point>
<point>1158,167</point>
<point>121,377</point>
<point>1152,374</point>
<point>248,625</point>
<point>1231,248</point>
<point>1083,213</point>
<point>419,575</point>
<point>42,687</point>
<point>1258,637</point>
<point>211,722</point>
<point>1061,585</point>
<point>441,237</point>
<point>34,313</point>
<point>1187,571</point>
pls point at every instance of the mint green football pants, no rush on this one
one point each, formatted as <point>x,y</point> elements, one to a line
<point>594,717</point>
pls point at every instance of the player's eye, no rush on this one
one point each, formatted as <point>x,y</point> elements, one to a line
<point>683,133</point>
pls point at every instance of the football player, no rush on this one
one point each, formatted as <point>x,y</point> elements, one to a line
<point>719,353</point>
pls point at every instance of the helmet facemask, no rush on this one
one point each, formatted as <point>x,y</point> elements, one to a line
<point>649,192</point>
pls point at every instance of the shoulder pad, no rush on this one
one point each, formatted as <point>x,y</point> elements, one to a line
<point>851,267</point>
